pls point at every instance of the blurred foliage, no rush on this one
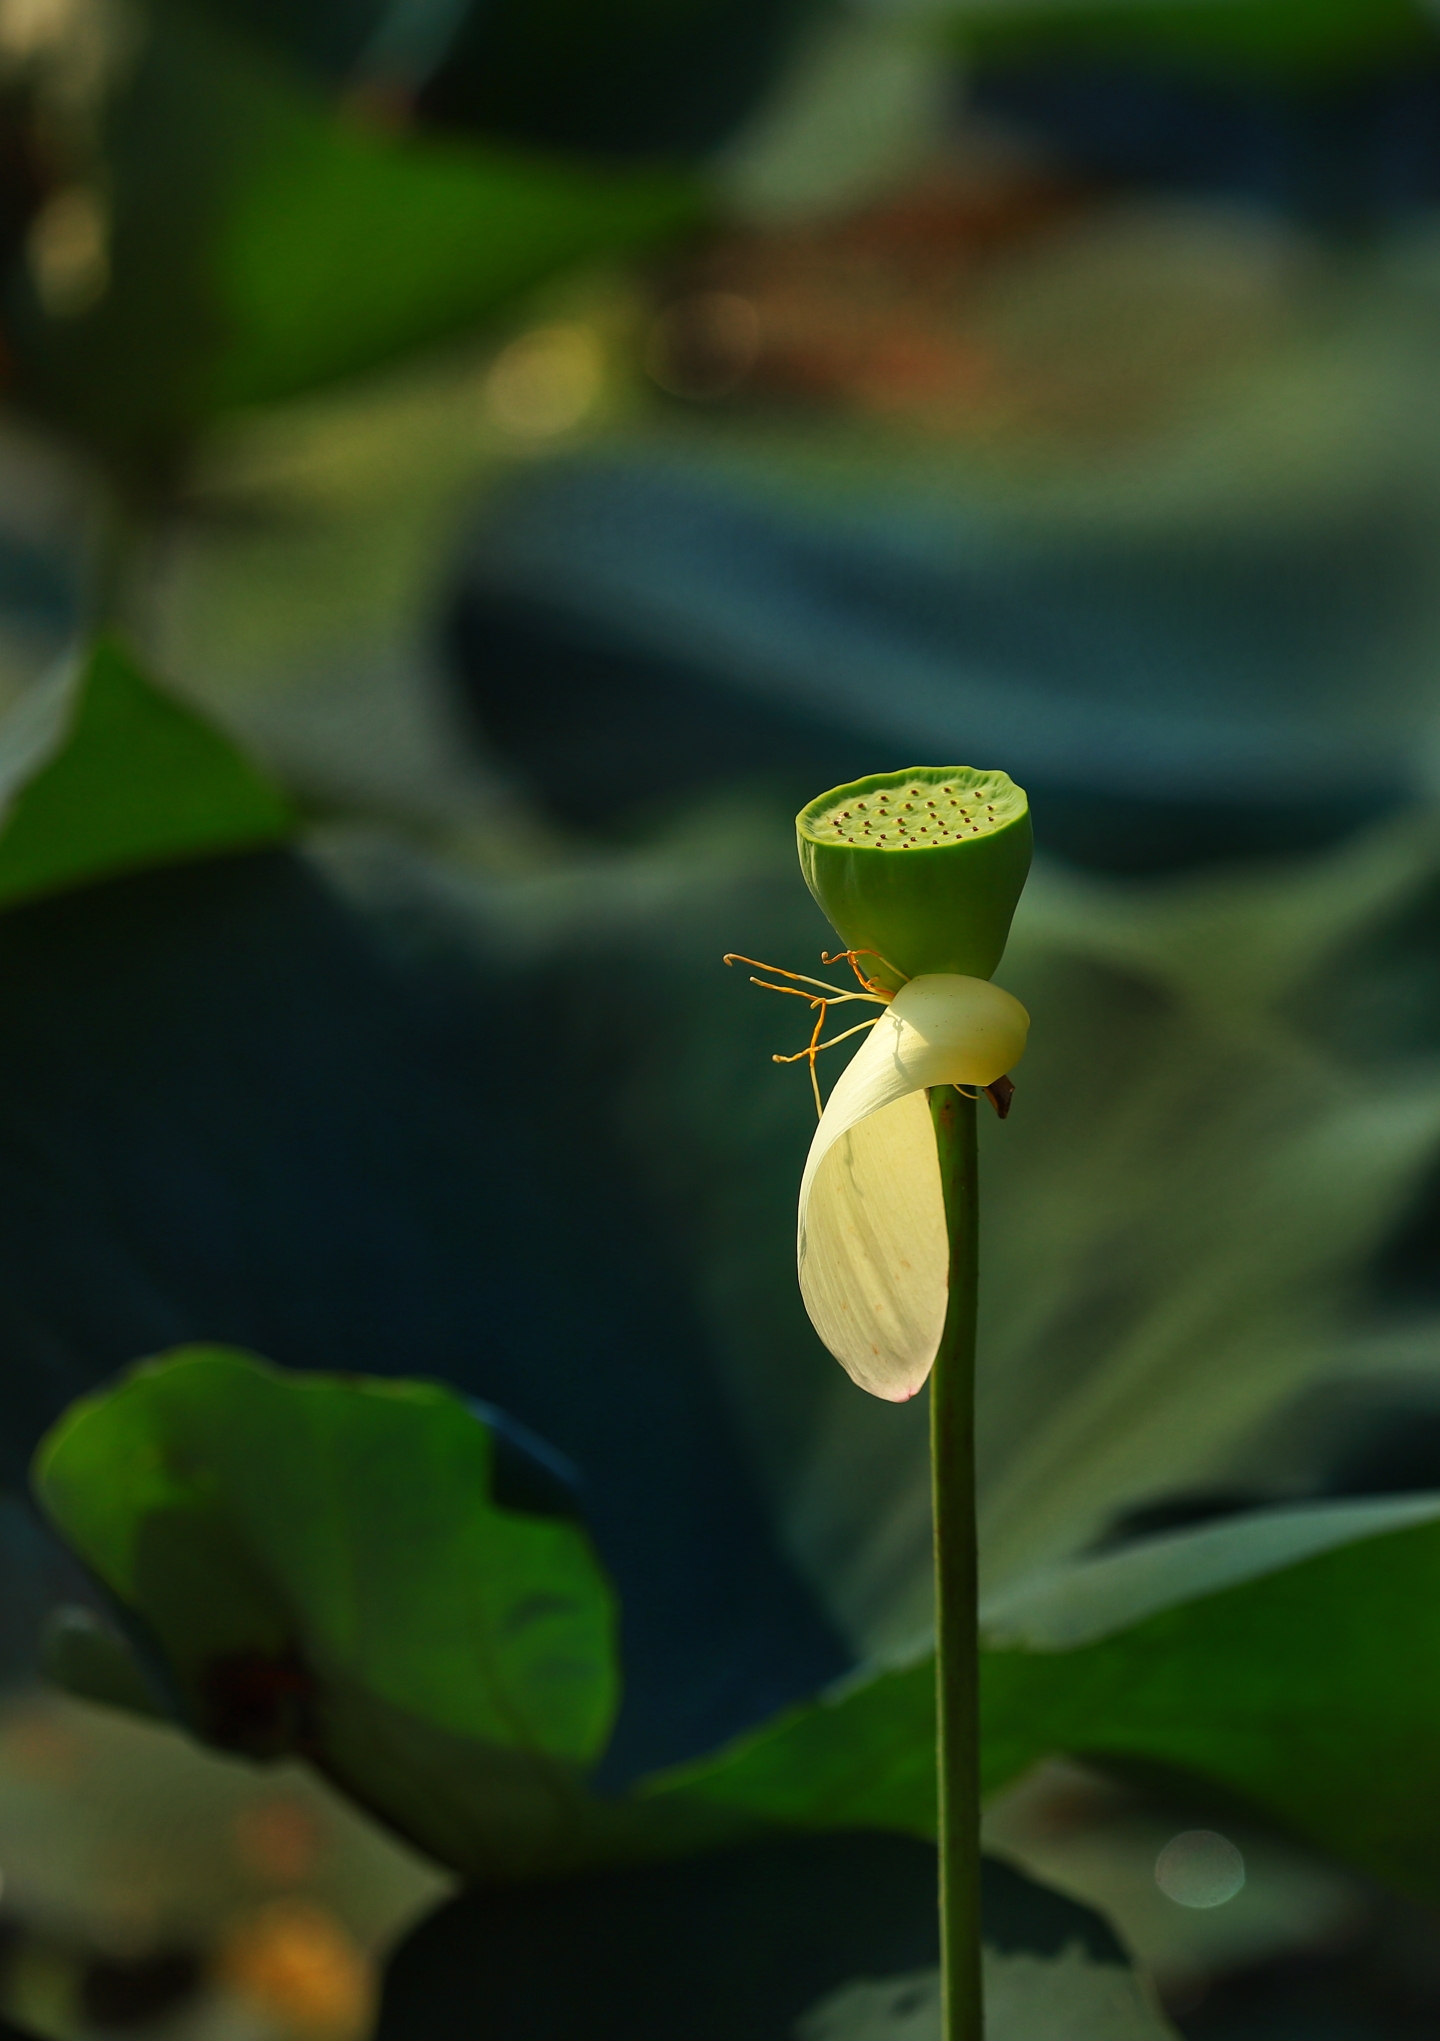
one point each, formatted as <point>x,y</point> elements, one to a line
<point>862,1756</point>
<point>262,239</point>
<point>454,231</point>
<point>632,78</point>
<point>1310,1694</point>
<point>636,77</point>
<point>1295,37</point>
<point>782,1931</point>
<point>324,1571</point>
<point>167,1840</point>
<point>447,1662</point>
<point>325,38</point>
<point>101,772</point>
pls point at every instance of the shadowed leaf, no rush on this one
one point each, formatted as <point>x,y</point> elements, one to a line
<point>1310,1690</point>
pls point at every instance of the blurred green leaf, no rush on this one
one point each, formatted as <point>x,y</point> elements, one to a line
<point>102,772</point>
<point>264,239</point>
<point>322,1567</point>
<point>1312,1691</point>
<point>861,1756</point>
<point>343,247</point>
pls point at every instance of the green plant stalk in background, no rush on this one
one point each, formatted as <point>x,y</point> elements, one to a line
<point>957,1657</point>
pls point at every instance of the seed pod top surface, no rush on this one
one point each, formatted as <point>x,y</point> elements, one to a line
<point>924,867</point>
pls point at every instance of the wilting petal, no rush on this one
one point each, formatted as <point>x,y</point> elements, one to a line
<point>873,1255</point>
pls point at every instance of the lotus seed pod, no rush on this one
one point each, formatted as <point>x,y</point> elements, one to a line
<point>924,868</point>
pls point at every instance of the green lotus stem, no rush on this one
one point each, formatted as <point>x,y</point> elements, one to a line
<point>957,1658</point>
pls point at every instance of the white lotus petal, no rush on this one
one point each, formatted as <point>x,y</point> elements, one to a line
<point>872,1248</point>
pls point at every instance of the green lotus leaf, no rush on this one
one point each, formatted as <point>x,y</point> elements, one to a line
<point>1310,1690</point>
<point>320,1567</point>
<point>341,248</point>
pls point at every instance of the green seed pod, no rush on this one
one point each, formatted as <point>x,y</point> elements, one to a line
<point>922,867</point>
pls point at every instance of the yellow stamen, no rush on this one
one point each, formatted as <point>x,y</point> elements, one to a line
<point>809,1055</point>
<point>826,997</point>
<point>833,999</point>
<point>851,956</point>
<point>835,991</point>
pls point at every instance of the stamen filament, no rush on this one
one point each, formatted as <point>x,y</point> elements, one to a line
<point>834,1043</point>
<point>851,956</point>
<point>830,998</point>
<point>824,998</point>
<point>801,977</point>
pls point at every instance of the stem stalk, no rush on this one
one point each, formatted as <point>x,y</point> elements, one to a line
<point>952,1463</point>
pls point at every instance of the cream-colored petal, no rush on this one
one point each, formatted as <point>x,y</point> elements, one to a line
<point>872,1248</point>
